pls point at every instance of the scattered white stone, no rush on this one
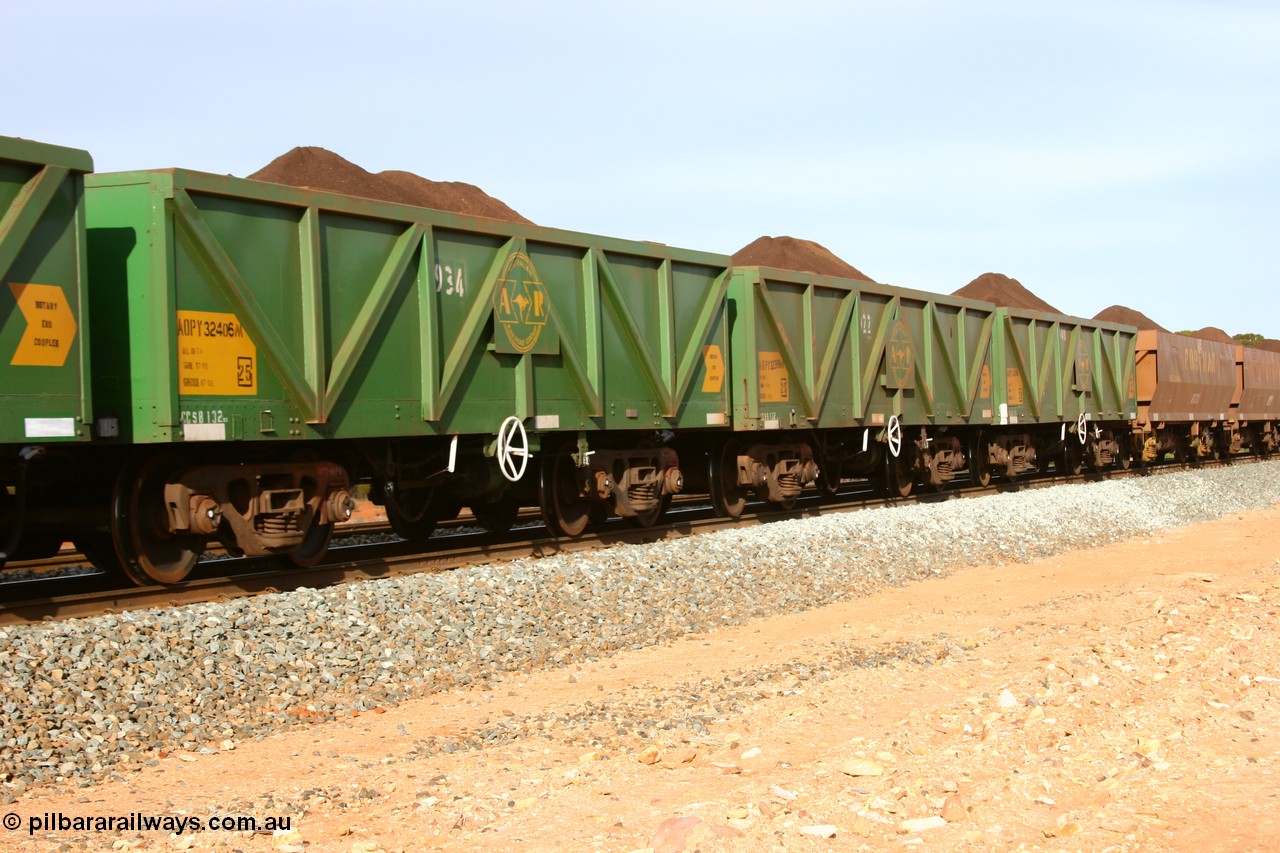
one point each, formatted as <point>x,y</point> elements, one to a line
<point>862,767</point>
<point>921,824</point>
<point>953,810</point>
<point>288,841</point>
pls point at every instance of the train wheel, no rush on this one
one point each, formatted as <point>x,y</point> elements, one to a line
<point>828,481</point>
<point>564,509</point>
<point>1072,460</point>
<point>1124,459</point>
<point>445,508</point>
<point>37,547</point>
<point>828,487</point>
<point>784,505</point>
<point>1196,458</point>
<point>898,476</point>
<point>6,515</point>
<point>601,512</point>
<point>727,497</point>
<point>1140,460</point>
<point>979,463</point>
<point>496,517</point>
<point>30,546</point>
<point>99,549</point>
<point>314,546</point>
<point>410,514</point>
<point>652,516</point>
<point>315,543</point>
<point>149,552</point>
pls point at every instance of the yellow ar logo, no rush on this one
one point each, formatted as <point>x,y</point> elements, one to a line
<point>520,302</point>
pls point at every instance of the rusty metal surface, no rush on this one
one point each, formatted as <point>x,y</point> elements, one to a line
<point>1260,391</point>
<point>1181,378</point>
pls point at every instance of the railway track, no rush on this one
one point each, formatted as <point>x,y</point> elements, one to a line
<point>454,547</point>
<point>253,576</point>
<point>69,558</point>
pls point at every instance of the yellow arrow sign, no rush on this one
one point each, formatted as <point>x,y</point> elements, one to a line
<point>714,360</point>
<point>51,327</point>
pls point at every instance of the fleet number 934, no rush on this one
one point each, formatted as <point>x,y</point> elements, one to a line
<point>449,281</point>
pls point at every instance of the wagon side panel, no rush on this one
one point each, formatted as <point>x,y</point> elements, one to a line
<point>1260,394</point>
<point>284,313</point>
<point>1194,379</point>
<point>44,339</point>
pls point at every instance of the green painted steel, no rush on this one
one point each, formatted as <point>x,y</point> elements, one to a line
<point>235,309</point>
<point>1049,368</point>
<point>812,351</point>
<point>44,354</point>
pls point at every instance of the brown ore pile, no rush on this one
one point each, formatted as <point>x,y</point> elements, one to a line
<point>1268,344</point>
<point>1005,292</point>
<point>317,168</point>
<point>792,253</point>
<point>1213,333</point>
<point>1128,317</point>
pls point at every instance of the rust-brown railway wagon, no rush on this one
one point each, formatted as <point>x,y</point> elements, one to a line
<point>1187,390</point>
<point>1256,407</point>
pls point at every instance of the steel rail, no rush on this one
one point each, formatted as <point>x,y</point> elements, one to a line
<point>452,551</point>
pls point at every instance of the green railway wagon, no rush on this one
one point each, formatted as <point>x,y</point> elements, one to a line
<point>278,343</point>
<point>44,359</point>
<point>1064,390</point>
<point>43,392</point>
<point>837,378</point>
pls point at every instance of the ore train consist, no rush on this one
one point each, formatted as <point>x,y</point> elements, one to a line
<point>190,357</point>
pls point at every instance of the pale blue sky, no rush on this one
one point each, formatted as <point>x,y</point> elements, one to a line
<point>1100,152</point>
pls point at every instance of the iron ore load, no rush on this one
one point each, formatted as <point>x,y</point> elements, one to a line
<point>191,358</point>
